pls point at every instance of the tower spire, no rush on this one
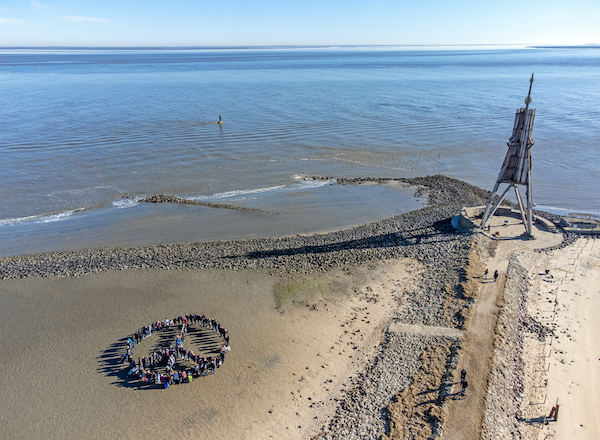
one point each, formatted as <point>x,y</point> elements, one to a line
<point>528,99</point>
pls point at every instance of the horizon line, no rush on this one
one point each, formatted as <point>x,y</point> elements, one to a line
<point>297,46</point>
<point>278,46</point>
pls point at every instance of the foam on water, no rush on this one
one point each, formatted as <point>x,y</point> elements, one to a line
<point>42,218</point>
<point>302,184</point>
<point>237,193</point>
<point>67,215</point>
<point>127,202</point>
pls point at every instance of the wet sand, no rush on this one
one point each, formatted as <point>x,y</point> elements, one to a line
<point>61,338</point>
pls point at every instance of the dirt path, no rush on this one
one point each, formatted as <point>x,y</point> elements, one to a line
<point>465,414</point>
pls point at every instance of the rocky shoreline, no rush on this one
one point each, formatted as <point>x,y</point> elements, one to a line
<point>403,393</point>
<point>160,198</point>
<point>425,235</point>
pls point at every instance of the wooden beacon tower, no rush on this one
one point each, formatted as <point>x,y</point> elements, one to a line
<point>516,169</point>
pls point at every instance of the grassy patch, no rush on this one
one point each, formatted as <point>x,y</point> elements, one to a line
<point>302,292</point>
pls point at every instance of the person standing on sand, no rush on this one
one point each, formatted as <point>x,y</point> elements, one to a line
<point>463,375</point>
<point>495,276</point>
<point>485,274</point>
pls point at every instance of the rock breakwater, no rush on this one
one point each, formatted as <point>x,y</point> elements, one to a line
<point>159,198</point>
<point>425,235</point>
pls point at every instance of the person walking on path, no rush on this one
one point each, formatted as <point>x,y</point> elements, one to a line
<point>463,375</point>
<point>495,276</point>
<point>464,385</point>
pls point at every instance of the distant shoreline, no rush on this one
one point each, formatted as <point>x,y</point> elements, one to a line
<point>300,46</point>
<point>327,46</point>
<point>586,46</point>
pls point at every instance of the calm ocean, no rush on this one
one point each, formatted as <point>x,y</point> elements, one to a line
<point>84,134</point>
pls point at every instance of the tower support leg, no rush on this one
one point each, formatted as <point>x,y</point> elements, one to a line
<point>529,197</point>
<point>491,206</point>
<point>524,213</point>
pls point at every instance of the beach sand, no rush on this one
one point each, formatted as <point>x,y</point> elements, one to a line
<point>60,338</point>
<point>564,367</point>
<point>546,346</point>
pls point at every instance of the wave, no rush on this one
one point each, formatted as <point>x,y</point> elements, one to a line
<point>237,193</point>
<point>40,218</point>
<point>123,202</point>
<point>301,184</point>
<point>567,212</point>
<point>126,202</point>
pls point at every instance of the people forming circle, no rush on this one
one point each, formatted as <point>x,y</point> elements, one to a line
<point>174,364</point>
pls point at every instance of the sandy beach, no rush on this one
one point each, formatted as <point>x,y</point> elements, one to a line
<point>64,336</point>
<point>351,334</point>
<point>558,294</point>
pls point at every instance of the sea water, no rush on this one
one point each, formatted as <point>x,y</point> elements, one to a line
<point>84,135</point>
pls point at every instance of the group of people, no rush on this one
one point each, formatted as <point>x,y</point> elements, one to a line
<point>496,274</point>
<point>147,368</point>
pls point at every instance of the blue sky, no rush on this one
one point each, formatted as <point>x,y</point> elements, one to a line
<point>310,22</point>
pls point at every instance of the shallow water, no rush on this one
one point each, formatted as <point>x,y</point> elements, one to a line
<point>86,134</point>
<point>325,209</point>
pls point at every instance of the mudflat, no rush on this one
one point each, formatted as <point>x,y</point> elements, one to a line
<point>62,339</point>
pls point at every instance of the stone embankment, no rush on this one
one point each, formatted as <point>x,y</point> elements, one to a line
<point>376,398</point>
<point>403,392</point>
<point>507,381</point>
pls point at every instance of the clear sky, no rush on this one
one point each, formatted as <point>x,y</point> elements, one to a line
<point>307,22</point>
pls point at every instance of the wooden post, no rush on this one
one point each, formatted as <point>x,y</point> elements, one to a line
<point>554,412</point>
<point>529,198</point>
